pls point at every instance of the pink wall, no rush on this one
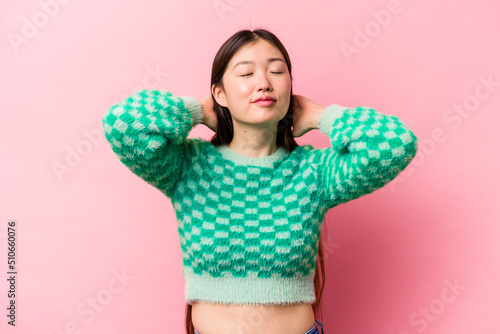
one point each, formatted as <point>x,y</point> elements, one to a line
<point>420,255</point>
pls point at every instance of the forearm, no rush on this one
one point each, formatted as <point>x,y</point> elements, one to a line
<point>209,117</point>
<point>316,116</point>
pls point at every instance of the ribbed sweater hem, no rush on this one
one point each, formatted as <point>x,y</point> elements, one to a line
<point>249,290</point>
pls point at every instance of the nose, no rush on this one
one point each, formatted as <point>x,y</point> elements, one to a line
<point>264,83</point>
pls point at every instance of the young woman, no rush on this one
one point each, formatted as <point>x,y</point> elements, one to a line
<point>250,202</point>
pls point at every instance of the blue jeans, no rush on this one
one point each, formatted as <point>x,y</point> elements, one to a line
<point>313,330</point>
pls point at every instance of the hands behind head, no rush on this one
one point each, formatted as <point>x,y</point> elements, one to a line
<point>209,115</point>
<point>306,115</point>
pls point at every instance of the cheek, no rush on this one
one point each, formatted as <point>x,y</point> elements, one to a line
<point>285,85</point>
<point>234,90</point>
<point>242,89</point>
<point>243,84</point>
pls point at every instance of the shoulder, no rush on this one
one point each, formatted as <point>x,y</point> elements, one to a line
<point>202,151</point>
<point>304,153</point>
<point>197,146</point>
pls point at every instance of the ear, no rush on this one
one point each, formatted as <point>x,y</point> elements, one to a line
<point>219,95</point>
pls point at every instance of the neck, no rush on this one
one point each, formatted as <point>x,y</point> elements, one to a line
<point>254,141</point>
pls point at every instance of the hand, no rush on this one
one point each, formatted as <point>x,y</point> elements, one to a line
<point>209,115</point>
<point>306,115</point>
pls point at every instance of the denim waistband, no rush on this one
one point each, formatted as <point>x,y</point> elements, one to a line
<point>313,330</point>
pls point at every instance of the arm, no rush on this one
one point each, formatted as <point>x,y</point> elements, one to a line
<point>369,149</point>
<point>148,132</point>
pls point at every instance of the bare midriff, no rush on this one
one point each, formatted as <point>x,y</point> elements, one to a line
<point>213,318</point>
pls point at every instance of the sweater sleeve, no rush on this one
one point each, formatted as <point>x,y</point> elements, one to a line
<point>368,150</point>
<point>148,132</point>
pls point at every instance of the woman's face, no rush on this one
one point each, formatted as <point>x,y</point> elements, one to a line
<point>257,69</point>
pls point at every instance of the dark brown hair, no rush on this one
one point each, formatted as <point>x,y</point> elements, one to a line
<point>224,132</point>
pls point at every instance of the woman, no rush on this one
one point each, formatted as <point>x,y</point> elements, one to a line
<point>250,203</point>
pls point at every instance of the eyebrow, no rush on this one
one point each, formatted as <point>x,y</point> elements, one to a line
<point>269,60</point>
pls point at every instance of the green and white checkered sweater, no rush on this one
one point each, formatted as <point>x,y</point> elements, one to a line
<point>249,227</point>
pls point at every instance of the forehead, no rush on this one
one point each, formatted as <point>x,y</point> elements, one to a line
<point>257,51</point>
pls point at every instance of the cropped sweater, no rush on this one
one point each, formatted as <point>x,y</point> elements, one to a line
<point>248,227</point>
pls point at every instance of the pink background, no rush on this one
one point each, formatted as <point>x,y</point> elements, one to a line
<point>391,256</point>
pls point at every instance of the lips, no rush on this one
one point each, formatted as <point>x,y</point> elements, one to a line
<point>265,98</point>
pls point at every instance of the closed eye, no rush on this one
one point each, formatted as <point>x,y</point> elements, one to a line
<point>244,75</point>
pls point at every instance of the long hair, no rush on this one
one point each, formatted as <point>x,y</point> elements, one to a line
<point>224,133</point>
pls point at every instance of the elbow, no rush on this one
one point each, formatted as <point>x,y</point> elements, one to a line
<point>393,156</point>
<point>402,141</point>
<point>410,145</point>
<point>405,154</point>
